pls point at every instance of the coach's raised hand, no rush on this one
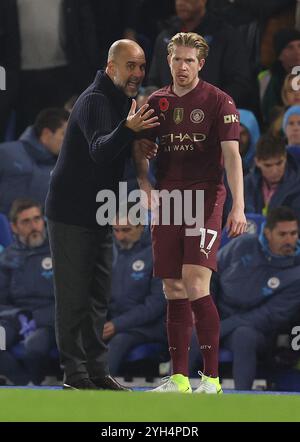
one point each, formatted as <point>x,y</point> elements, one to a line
<point>140,120</point>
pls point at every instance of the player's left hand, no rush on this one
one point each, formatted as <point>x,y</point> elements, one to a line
<point>236,223</point>
<point>108,330</point>
<point>148,147</point>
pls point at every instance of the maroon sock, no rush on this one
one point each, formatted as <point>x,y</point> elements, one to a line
<point>179,327</point>
<point>207,323</point>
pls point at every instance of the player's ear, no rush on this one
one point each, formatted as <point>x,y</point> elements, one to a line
<point>201,63</point>
<point>169,59</point>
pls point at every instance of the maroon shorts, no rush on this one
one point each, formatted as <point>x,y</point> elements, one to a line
<point>172,247</point>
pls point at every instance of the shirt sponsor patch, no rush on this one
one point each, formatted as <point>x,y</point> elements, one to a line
<point>232,118</point>
<point>178,114</point>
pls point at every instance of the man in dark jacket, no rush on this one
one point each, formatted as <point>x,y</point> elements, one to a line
<point>275,181</point>
<point>258,291</point>
<point>26,292</point>
<point>26,164</point>
<point>102,126</point>
<point>227,65</point>
<point>137,306</point>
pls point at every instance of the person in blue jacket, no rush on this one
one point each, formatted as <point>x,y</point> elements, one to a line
<point>136,313</point>
<point>275,181</point>
<point>26,164</point>
<point>291,129</point>
<point>257,291</point>
<point>26,293</point>
<point>249,135</point>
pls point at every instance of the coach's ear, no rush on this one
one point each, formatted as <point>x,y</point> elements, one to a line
<point>110,68</point>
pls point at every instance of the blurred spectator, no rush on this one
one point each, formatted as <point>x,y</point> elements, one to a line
<point>9,59</point>
<point>257,291</point>
<point>287,48</point>
<point>291,129</point>
<point>26,292</point>
<point>290,95</point>
<point>239,12</point>
<point>297,16</point>
<point>150,16</point>
<point>59,54</point>
<point>137,306</point>
<point>275,181</point>
<point>140,20</point>
<point>112,18</point>
<point>290,92</point>
<point>26,164</point>
<point>227,65</point>
<point>249,135</point>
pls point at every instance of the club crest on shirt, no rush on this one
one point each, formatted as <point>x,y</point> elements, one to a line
<point>178,114</point>
<point>251,226</point>
<point>273,282</point>
<point>47,263</point>
<point>197,116</point>
<point>138,265</point>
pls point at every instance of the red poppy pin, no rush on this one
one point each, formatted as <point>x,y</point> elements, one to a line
<point>163,104</point>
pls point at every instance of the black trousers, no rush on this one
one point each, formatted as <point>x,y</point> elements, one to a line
<point>82,260</point>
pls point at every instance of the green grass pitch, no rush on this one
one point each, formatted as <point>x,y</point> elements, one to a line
<point>24,405</point>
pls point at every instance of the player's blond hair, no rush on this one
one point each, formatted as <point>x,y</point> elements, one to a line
<point>189,40</point>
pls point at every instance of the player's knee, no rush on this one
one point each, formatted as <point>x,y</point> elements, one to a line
<point>173,289</point>
<point>196,291</point>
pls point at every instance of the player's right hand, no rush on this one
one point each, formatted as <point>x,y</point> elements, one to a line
<point>236,223</point>
<point>141,120</point>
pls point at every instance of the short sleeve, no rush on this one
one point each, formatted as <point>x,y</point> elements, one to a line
<point>228,120</point>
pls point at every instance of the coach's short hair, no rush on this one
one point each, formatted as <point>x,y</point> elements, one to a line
<point>269,146</point>
<point>278,215</point>
<point>189,40</point>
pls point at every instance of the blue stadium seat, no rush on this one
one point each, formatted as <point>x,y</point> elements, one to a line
<point>6,237</point>
<point>254,224</point>
<point>18,351</point>
<point>151,350</point>
<point>225,355</point>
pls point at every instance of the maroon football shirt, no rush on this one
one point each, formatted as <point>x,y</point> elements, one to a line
<point>190,132</point>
